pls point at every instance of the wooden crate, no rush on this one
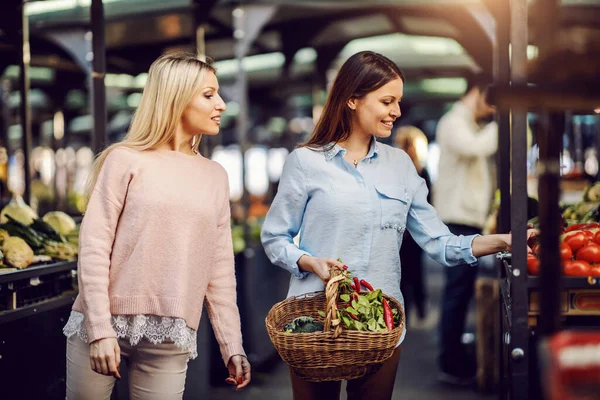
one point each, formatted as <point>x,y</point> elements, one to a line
<point>487,297</point>
<point>573,302</point>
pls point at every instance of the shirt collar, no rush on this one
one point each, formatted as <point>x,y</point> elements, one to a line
<point>332,149</point>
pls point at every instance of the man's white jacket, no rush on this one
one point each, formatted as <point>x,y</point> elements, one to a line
<point>462,193</point>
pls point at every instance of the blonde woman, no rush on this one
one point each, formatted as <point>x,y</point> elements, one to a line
<point>155,244</point>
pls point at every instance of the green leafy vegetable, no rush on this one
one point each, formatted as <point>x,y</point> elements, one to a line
<point>304,325</point>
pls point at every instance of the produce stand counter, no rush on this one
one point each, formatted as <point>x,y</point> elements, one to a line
<point>579,309</point>
<point>35,303</point>
<point>580,295</point>
<point>36,289</point>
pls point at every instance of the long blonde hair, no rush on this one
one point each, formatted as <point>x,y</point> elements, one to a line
<point>414,142</point>
<point>173,81</point>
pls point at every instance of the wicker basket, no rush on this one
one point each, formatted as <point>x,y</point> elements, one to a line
<point>331,355</point>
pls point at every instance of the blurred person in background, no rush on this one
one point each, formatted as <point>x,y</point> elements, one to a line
<point>155,245</point>
<point>351,197</point>
<point>413,285</point>
<point>463,195</point>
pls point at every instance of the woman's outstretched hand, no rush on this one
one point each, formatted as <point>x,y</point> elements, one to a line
<point>531,234</point>
<point>491,244</point>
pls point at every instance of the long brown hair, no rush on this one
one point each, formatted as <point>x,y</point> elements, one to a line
<point>361,74</point>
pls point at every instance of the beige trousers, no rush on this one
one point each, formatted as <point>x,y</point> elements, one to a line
<point>156,371</point>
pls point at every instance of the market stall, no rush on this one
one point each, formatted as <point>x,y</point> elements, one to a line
<point>556,289</point>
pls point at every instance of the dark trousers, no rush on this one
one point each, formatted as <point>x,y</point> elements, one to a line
<point>412,284</point>
<point>377,386</point>
<point>460,282</point>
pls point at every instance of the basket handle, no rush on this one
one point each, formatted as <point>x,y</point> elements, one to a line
<point>331,297</point>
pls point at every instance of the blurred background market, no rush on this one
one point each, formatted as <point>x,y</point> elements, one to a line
<point>71,77</point>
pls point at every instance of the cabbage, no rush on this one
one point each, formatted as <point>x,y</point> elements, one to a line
<point>17,252</point>
<point>18,210</point>
<point>60,222</point>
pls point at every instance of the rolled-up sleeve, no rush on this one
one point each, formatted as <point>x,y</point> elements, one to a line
<point>434,237</point>
<point>284,218</point>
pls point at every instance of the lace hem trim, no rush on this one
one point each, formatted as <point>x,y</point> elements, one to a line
<point>155,329</point>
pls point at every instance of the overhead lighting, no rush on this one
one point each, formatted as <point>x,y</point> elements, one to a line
<point>251,63</point>
<point>49,6</point>
<point>134,100</point>
<point>401,43</point>
<point>532,52</point>
<point>455,86</point>
<point>42,7</point>
<point>35,73</point>
<point>306,55</point>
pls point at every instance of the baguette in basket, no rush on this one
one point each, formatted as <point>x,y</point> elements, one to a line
<point>346,348</point>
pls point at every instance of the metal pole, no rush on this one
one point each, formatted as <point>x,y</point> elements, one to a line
<point>549,192</point>
<point>247,23</point>
<point>24,86</point>
<point>597,177</point>
<point>549,182</point>
<point>200,40</point>
<point>241,90</point>
<point>99,137</point>
<point>4,117</point>
<point>501,78</point>
<point>204,148</point>
<point>520,351</point>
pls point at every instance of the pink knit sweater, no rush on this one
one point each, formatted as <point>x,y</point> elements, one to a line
<point>156,239</point>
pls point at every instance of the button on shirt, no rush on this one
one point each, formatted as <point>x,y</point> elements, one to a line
<point>356,214</point>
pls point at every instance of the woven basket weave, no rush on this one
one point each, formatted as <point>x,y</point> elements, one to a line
<point>334,354</point>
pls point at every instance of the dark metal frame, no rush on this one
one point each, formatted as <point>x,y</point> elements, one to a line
<point>99,137</point>
<point>519,340</point>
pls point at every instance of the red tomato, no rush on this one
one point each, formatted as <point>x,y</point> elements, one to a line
<point>566,254</point>
<point>589,234</point>
<point>597,237</point>
<point>533,265</point>
<point>577,268</point>
<point>589,253</point>
<point>576,240</point>
<point>595,271</point>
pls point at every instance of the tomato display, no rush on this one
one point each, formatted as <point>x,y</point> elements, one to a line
<point>589,253</point>
<point>597,237</point>
<point>533,265</point>
<point>566,254</point>
<point>579,252</point>
<point>576,240</point>
<point>577,268</point>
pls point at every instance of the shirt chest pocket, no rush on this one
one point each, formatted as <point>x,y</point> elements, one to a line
<point>394,201</point>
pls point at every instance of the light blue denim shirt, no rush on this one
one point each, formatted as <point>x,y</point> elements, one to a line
<point>356,214</point>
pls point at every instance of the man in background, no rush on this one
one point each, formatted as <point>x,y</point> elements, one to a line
<point>462,195</point>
